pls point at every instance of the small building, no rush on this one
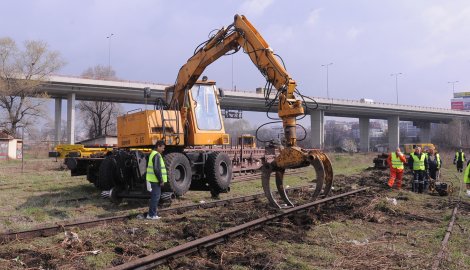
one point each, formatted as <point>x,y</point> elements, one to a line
<point>103,140</point>
<point>10,148</point>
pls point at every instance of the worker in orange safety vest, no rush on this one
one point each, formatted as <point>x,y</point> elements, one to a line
<point>396,162</point>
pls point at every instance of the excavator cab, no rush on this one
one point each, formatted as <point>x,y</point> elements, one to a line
<point>206,126</point>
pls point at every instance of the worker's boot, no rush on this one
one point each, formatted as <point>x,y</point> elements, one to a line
<point>415,186</point>
<point>426,186</point>
<point>420,186</point>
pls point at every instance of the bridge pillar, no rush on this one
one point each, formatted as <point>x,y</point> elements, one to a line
<point>71,118</point>
<point>393,132</point>
<point>424,131</point>
<point>58,120</point>
<point>364,134</point>
<point>317,128</point>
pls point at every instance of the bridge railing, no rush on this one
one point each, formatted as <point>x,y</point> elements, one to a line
<point>340,101</point>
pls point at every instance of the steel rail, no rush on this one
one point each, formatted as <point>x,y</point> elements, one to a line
<point>443,250</point>
<point>46,231</point>
<point>450,226</point>
<point>164,256</point>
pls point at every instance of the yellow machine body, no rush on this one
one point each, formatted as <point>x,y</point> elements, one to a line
<point>201,125</point>
<point>77,150</point>
<point>409,148</point>
<point>247,140</point>
<point>145,128</point>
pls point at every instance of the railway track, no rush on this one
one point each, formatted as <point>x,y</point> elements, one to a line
<point>437,262</point>
<point>164,256</point>
<point>60,227</point>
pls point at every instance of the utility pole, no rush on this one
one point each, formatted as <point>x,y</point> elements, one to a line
<point>453,86</point>
<point>327,90</point>
<point>396,82</point>
<point>109,53</point>
<point>232,72</point>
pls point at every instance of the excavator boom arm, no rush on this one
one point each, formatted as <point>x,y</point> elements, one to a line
<point>243,34</point>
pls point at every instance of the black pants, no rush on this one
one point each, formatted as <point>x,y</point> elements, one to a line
<point>459,166</point>
<point>419,181</point>
<point>433,173</point>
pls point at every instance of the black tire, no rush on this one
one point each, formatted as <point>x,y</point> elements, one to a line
<point>218,171</point>
<point>179,172</point>
<point>107,174</point>
<point>91,174</point>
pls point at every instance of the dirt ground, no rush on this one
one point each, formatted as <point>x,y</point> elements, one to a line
<point>381,229</point>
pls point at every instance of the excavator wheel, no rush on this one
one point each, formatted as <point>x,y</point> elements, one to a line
<point>179,172</point>
<point>218,169</point>
<point>107,174</point>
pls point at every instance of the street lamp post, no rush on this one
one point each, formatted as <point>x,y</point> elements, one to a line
<point>396,82</point>
<point>109,52</point>
<point>22,148</point>
<point>327,91</point>
<point>453,86</point>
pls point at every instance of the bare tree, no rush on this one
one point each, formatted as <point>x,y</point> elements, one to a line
<point>21,75</point>
<point>452,135</point>
<point>349,145</point>
<point>99,117</point>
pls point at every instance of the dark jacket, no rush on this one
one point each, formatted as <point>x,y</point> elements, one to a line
<point>157,168</point>
<point>459,157</point>
<point>432,162</point>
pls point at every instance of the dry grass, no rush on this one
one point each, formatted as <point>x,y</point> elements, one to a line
<point>373,235</point>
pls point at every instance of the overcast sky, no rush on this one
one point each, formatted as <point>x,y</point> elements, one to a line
<point>428,41</point>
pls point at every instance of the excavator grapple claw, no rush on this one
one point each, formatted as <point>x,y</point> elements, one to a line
<point>316,158</point>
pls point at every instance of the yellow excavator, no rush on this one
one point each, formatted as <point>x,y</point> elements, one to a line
<point>190,118</point>
<point>243,35</point>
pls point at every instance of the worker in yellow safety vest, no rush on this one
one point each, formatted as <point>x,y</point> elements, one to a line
<point>156,177</point>
<point>435,164</point>
<point>466,179</point>
<point>418,162</point>
<point>459,160</point>
<point>396,160</point>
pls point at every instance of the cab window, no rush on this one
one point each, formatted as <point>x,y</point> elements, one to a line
<point>206,110</point>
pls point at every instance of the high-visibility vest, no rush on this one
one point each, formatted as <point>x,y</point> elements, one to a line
<point>466,175</point>
<point>396,162</point>
<point>438,160</point>
<point>418,163</point>
<point>150,176</point>
<point>457,156</point>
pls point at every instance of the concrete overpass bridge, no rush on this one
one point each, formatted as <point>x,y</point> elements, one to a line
<point>74,88</point>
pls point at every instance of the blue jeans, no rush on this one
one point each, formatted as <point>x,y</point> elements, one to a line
<point>154,198</point>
